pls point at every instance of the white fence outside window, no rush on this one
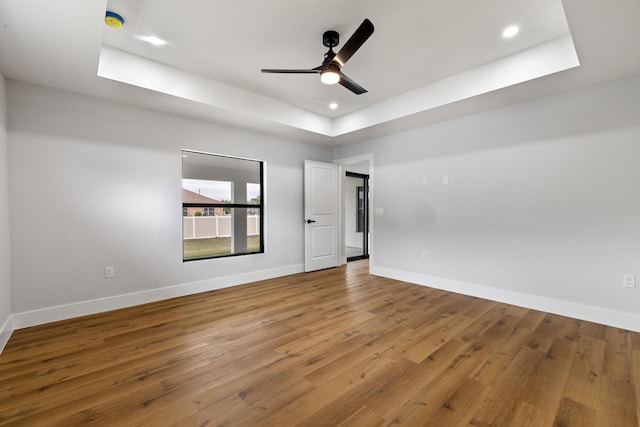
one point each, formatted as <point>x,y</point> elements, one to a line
<point>207,227</point>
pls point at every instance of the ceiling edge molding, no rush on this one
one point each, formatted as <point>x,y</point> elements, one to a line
<point>127,68</point>
<point>542,60</point>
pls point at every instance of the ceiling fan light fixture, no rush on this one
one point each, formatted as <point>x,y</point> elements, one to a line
<point>330,75</point>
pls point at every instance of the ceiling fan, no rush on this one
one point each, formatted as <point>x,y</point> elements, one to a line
<point>331,69</point>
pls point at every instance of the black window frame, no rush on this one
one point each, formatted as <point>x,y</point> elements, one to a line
<point>247,206</point>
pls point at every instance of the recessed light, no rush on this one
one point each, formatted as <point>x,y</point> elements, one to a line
<point>510,31</point>
<point>156,41</point>
<point>333,105</point>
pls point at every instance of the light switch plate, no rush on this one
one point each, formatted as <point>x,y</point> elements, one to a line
<point>109,272</point>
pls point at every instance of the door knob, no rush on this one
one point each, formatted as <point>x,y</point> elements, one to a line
<point>309,221</point>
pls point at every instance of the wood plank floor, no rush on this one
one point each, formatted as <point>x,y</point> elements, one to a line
<point>331,348</point>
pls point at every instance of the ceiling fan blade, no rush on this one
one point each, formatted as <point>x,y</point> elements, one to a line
<point>358,38</point>
<point>351,85</point>
<point>285,71</point>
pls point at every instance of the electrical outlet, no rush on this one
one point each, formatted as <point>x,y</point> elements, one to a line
<point>425,181</point>
<point>629,281</point>
<point>424,255</point>
<point>109,272</point>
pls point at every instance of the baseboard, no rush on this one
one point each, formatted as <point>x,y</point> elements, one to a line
<point>5,332</point>
<point>68,311</point>
<point>564,308</point>
<point>600,315</point>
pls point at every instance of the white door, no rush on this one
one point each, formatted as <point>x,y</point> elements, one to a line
<point>321,215</point>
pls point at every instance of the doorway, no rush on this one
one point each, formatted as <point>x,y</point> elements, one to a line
<point>356,190</point>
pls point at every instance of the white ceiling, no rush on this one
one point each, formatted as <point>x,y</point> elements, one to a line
<point>428,60</point>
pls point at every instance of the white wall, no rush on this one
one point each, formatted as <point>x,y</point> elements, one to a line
<point>5,288</point>
<point>542,208</point>
<point>95,183</point>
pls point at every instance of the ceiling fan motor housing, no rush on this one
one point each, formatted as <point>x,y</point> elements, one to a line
<point>330,38</point>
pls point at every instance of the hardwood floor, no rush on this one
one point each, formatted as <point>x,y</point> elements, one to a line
<point>331,348</point>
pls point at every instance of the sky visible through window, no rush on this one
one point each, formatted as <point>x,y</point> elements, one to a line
<point>218,190</point>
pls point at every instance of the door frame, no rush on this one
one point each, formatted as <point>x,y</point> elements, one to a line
<point>345,162</point>
<point>365,234</point>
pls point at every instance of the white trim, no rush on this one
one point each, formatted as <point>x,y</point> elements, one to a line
<point>51,314</point>
<point>67,311</point>
<point>600,315</point>
<point>5,332</point>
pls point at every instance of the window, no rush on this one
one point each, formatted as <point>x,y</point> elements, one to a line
<point>222,206</point>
